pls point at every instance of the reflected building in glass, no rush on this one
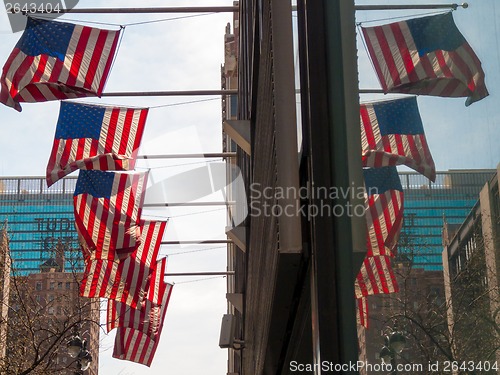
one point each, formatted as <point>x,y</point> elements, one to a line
<point>418,265</point>
<point>426,204</point>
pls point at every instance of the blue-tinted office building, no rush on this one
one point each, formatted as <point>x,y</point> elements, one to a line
<point>37,219</point>
<point>426,204</point>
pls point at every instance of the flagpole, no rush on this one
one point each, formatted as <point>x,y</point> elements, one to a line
<point>227,273</point>
<point>207,9</point>
<point>171,93</point>
<point>380,91</point>
<point>195,242</point>
<point>411,6</point>
<point>188,204</point>
<point>187,156</point>
<point>230,9</point>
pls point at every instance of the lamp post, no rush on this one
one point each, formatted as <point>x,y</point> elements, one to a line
<point>394,343</point>
<point>77,348</point>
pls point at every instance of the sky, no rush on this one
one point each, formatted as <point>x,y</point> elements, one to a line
<point>186,54</point>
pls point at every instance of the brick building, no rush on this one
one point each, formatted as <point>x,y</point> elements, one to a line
<point>44,310</point>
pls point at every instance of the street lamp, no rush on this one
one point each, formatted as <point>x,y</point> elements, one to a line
<point>74,346</point>
<point>394,344</point>
<point>77,348</point>
<point>386,354</point>
<point>397,341</point>
<point>84,358</point>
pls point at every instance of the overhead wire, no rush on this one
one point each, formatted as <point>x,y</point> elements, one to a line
<point>183,103</point>
<point>175,216</point>
<point>169,19</point>
<point>360,33</point>
<point>116,53</point>
<point>196,250</point>
<point>152,107</point>
<point>126,24</point>
<point>394,96</point>
<point>73,20</point>
<point>198,280</point>
<point>181,165</point>
<point>404,17</point>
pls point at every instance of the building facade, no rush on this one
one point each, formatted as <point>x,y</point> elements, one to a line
<point>37,219</point>
<point>4,288</point>
<point>229,81</point>
<point>471,259</point>
<point>44,311</point>
<point>41,283</point>
<point>56,294</point>
<point>418,309</point>
<point>292,273</point>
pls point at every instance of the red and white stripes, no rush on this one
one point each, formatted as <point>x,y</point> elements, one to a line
<point>393,149</point>
<point>110,225</point>
<point>400,68</point>
<point>83,72</point>
<point>375,277</point>
<point>384,218</point>
<point>125,281</point>
<point>115,150</point>
<point>139,329</point>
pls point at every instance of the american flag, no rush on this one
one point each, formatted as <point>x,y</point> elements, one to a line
<point>145,317</point>
<point>362,311</point>
<point>138,330</point>
<point>375,277</point>
<point>95,137</point>
<point>135,346</point>
<point>425,56</point>
<point>107,207</point>
<point>126,281</point>
<point>392,134</point>
<point>57,60</point>
<point>384,213</point>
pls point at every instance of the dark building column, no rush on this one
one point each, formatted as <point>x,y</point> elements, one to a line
<point>331,115</point>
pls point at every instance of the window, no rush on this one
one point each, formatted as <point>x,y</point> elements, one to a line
<point>50,297</point>
<point>435,290</point>
<point>409,220</point>
<point>38,285</point>
<point>50,310</point>
<point>485,281</point>
<point>38,298</point>
<point>59,285</point>
<point>59,310</point>
<point>52,285</point>
<point>68,285</point>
